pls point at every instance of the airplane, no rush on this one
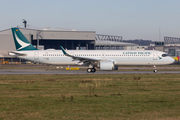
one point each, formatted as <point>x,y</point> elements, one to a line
<point>101,59</point>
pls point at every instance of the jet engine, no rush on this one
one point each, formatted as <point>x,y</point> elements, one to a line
<point>107,65</point>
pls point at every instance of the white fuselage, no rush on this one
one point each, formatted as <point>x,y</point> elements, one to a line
<point>120,57</point>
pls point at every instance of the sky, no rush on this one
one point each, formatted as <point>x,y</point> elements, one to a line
<point>131,19</point>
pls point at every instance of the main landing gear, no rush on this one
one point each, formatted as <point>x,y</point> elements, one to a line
<point>89,70</point>
<point>155,70</point>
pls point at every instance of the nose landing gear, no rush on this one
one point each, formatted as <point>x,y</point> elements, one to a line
<point>155,70</point>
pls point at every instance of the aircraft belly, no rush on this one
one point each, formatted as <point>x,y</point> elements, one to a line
<point>142,61</point>
<point>58,61</point>
<point>27,58</point>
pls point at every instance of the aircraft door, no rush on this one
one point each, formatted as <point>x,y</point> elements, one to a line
<point>154,55</point>
<point>36,56</point>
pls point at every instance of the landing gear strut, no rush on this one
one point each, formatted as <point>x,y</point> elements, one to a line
<point>89,70</point>
<point>155,70</point>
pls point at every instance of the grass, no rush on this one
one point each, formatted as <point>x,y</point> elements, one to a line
<point>128,96</point>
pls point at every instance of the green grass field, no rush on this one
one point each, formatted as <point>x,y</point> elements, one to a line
<point>104,97</point>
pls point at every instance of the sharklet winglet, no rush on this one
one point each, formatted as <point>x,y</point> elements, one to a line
<point>65,53</point>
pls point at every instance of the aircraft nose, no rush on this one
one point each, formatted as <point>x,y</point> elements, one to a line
<point>172,60</point>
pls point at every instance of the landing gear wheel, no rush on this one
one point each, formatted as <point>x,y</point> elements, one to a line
<point>93,70</point>
<point>155,71</point>
<point>89,70</point>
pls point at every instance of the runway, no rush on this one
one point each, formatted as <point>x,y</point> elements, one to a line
<point>44,71</point>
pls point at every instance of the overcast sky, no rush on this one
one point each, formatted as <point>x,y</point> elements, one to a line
<point>132,19</point>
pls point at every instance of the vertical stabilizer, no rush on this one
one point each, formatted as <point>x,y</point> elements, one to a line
<point>21,42</point>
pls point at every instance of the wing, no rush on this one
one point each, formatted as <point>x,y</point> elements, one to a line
<point>82,59</point>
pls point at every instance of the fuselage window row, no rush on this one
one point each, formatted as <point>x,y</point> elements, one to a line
<point>93,55</point>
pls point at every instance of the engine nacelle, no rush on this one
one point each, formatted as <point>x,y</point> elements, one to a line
<point>107,65</point>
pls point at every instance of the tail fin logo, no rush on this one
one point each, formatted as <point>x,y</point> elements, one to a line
<point>23,44</point>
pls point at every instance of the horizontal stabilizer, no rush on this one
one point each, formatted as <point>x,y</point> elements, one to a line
<point>17,54</point>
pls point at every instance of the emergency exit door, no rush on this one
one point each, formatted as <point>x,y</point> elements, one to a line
<point>36,56</point>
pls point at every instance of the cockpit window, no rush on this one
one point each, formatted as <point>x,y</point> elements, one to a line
<point>165,55</point>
